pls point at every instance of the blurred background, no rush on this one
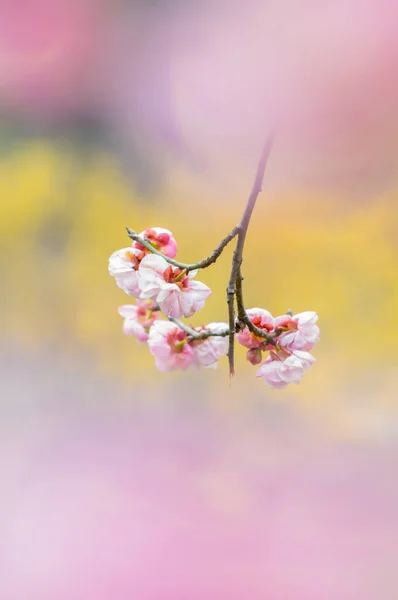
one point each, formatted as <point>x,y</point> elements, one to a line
<point>118,481</point>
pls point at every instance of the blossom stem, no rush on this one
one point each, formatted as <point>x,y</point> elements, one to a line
<point>238,252</point>
<point>243,316</point>
<point>197,335</point>
<point>202,264</point>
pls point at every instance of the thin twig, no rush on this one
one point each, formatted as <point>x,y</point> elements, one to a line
<point>202,264</point>
<point>239,296</point>
<point>238,252</point>
<point>198,335</point>
<point>243,316</point>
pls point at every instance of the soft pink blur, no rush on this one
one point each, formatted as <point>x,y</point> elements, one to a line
<point>186,487</point>
<point>47,49</point>
<point>321,73</point>
<point>217,78</point>
<point>179,500</point>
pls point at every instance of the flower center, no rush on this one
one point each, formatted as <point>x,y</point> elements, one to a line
<point>177,340</point>
<point>177,276</point>
<point>257,322</point>
<point>134,259</point>
<point>287,325</point>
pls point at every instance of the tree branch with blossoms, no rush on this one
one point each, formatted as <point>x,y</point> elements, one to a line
<point>149,272</point>
<point>198,335</point>
<point>202,264</point>
<point>243,318</point>
<point>237,258</point>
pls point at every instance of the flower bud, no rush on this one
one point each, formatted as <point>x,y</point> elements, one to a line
<point>254,356</point>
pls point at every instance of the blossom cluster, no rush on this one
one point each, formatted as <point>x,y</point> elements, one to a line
<point>163,287</point>
<point>160,287</point>
<point>144,275</point>
<point>289,339</point>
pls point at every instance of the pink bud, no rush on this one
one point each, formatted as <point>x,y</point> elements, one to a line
<point>254,356</point>
<point>161,239</point>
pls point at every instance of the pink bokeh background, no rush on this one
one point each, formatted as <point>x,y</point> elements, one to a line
<point>193,489</point>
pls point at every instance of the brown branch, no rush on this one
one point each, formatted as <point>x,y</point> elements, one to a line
<point>234,288</point>
<point>202,264</point>
<point>243,316</point>
<point>238,252</point>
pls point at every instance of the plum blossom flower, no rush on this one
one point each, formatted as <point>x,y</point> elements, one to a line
<point>174,349</point>
<point>172,288</point>
<point>262,319</point>
<point>299,332</point>
<point>161,239</point>
<point>138,318</point>
<point>208,351</point>
<point>123,266</point>
<point>170,346</point>
<point>280,368</point>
